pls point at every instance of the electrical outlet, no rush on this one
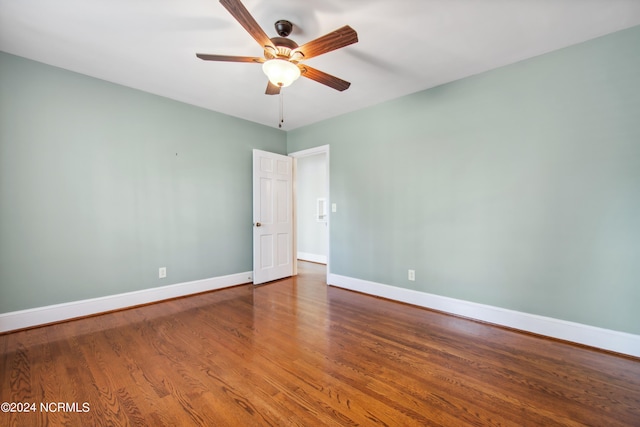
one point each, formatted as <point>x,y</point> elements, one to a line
<point>162,272</point>
<point>412,275</point>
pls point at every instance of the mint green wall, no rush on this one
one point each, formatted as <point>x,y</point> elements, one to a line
<point>517,188</point>
<point>100,185</point>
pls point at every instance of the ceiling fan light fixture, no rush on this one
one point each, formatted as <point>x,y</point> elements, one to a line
<point>281,72</point>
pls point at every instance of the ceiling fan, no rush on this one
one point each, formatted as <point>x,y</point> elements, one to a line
<point>282,56</point>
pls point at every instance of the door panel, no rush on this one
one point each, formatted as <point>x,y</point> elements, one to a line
<point>284,254</point>
<point>272,216</point>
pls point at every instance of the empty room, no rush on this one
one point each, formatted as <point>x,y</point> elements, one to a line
<point>249,212</point>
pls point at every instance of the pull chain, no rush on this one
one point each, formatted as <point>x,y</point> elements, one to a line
<point>281,110</point>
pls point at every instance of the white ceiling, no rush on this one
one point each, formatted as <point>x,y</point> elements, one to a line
<point>404,45</point>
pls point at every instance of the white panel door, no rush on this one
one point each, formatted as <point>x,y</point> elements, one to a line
<point>272,216</point>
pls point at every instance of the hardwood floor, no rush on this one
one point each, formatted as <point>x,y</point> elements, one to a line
<point>296,352</point>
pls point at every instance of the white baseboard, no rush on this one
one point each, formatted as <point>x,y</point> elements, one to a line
<point>320,259</point>
<point>55,313</point>
<point>606,339</point>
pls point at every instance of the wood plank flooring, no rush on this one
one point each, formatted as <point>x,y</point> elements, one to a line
<point>296,352</point>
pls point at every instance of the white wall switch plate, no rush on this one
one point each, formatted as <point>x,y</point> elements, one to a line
<point>334,207</point>
<point>412,275</point>
<point>162,272</point>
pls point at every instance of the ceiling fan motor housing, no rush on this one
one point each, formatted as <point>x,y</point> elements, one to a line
<point>283,27</point>
<point>283,49</point>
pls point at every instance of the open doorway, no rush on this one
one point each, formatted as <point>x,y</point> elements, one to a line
<point>312,206</point>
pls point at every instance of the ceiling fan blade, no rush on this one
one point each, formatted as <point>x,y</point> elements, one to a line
<point>272,89</point>
<point>242,15</point>
<point>324,78</point>
<point>335,40</point>
<point>227,58</point>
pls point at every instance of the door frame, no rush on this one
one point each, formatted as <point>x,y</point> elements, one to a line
<point>322,149</point>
